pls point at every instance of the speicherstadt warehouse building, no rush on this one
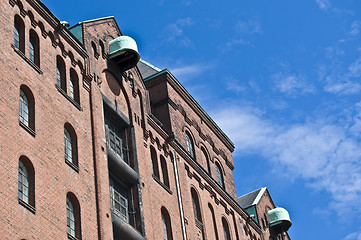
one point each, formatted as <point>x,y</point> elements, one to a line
<point>99,144</point>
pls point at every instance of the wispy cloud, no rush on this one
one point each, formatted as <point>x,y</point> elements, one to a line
<point>186,72</point>
<point>353,236</point>
<point>174,32</point>
<point>343,82</point>
<point>355,28</point>
<point>292,84</point>
<point>248,27</point>
<point>324,4</point>
<point>234,85</point>
<point>325,154</point>
<point>244,29</point>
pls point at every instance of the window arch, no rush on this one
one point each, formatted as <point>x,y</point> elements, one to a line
<point>70,145</point>
<point>34,48</point>
<point>227,235</point>
<point>74,85</point>
<point>190,145</point>
<point>163,165</point>
<point>19,34</point>
<point>214,220</point>
<point>153,155</point>
<point>102,50</point>
<point>196,206</point>
<point>73,216</point>
<point>60,73</point>
<point>219,174</point>
<point>167,225</point>
<point>27,107</point>
<point>206,158</point>
<point>95,51</point>
<point>26,182</point>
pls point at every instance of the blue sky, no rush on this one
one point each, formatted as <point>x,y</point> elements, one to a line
<point>282,78</point>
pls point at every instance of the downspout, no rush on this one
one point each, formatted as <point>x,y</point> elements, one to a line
<point>96,181</point>
<point>180,204</point>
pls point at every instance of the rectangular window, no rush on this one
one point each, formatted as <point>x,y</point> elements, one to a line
<point>119,200</point>
<point>117,139</point>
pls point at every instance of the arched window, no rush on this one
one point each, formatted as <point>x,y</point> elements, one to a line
<point>219,174</point>
<point>70,145</point>
<point>166,223</point>
<point>190,146</point>
<point>34,48</point>
<point>206,158</point>
<point>102,50</point>
<point>196,206</point>
<point>60,73</point>
<point>73,216</point>
<point>227,235</point>
<point>153,155</point>
<point>19,34</point>
<point>214,220</point>
<point>26,107</point>
<point>163,165</point>
<point>74,85</point>
<point>26,182</point>
<point>95,51</point>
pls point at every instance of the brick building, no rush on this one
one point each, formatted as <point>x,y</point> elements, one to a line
<point>95,147</point>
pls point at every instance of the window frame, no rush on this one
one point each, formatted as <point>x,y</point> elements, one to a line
<point>26,171</point>
<point>164,168</point>
<point>19,34</point>
<point>226,231</point>
<point>74,233</point>
<point>219,175</point>
<point>167,224</point>
<point>28,104</point>
<point>61,73</point>
<point>71,147</point>
<point>190,144</point>
<point>154,158</point>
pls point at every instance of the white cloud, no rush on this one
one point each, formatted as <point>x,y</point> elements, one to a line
<point>186,72</point>
<point>355,28</point>
<point>323,4</point>
<point>292,84</point>
<point>248,27</point>
<point>234,85</point>
<point>174,32</point>
<point>244,29</point>
<point>326,155</point>
<point>343,82</point>
<point>353,236</point>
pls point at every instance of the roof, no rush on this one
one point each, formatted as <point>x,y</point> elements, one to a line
<point>251,198</point>
<point>146,69</point>
<point>180,88</point>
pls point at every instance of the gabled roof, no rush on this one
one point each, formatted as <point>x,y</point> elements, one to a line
<point>251,198</point>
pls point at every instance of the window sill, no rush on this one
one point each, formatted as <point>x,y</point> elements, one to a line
<point>72,237</point>
<point>31,63</point>
<point>162,184</point>
<point>72,165</point>
<point>199,224</point>
<point>28,129</point>
<point>76,104</point>
<point>27,206</point>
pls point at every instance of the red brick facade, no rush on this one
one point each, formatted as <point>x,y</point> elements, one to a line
<point>128,170</point>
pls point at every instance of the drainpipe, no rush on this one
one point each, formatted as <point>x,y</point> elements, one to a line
<point>180,204</point>
<point>96,170</point>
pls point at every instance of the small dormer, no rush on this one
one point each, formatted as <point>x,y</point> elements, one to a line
<point>124,52</point>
